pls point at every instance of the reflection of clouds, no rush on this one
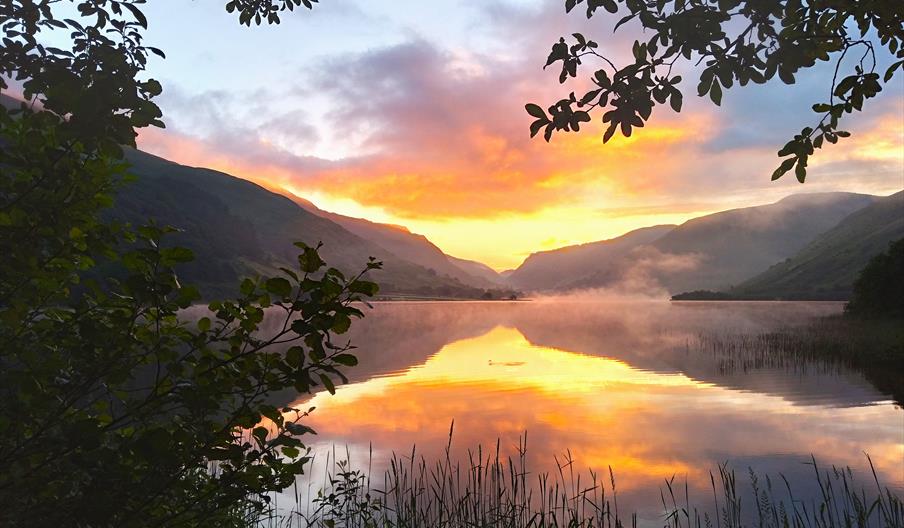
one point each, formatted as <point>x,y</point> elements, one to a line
<point>647,424</point>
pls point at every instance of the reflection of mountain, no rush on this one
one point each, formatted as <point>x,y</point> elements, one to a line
<point>652,336</point>
<point>661,340</point>
<point>396,336</point>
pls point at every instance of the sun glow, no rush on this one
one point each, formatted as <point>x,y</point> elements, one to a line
<point>497,198</point>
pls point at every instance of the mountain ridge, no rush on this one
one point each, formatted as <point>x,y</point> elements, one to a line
<point>829,265</point>
<point>238,228</point>
<point>412,247</point>
<point>549,269</point>
<point>714,251</point>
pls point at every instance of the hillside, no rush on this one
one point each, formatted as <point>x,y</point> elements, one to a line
<point>549,270</point>
<point>734,245</point>
<point>409,246</point>
<point>478,269</point>
<point>717,251</point>
<point>237,228</point>
<point>828,266</point>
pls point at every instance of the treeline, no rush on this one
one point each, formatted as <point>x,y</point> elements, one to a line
<point>444,291</point>
<point>879,290</point>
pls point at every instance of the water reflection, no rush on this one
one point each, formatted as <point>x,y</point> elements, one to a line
<point>617,384</point>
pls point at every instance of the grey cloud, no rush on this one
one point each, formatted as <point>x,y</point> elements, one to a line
<point>236,118</point>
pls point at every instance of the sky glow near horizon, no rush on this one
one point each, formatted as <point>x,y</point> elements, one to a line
<point>413,114</point>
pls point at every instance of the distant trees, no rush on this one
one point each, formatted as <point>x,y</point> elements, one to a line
<point>114,409</point>
<point>738,42</point>
<point>879,290</point>
<point>703,295</point>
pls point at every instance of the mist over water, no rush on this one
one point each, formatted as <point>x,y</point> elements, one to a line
<point>620,384</point>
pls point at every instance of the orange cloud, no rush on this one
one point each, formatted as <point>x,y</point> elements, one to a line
<point>486,174</point>
<point>438,141</point>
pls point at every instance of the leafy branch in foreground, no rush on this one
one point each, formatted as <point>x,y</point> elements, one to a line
<point>738,42</point>
<point>258,11</point>
<point>113,406</point>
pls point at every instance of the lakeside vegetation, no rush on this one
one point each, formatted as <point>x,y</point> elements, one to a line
<point>710,295</point>
<point>490,489</point>
<point>873,347</point>
<point>868,337</point>
<point>879,290</point>
<point>431,295</point>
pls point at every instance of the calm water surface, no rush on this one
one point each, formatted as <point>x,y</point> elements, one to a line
<point>616,384</point>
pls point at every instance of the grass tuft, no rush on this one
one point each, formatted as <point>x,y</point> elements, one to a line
<point>489,490</point>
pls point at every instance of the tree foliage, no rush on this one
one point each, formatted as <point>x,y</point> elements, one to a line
<point>879,290</point>
<point>737,42</point>
<point>259,11</point>
<point>117,409</point>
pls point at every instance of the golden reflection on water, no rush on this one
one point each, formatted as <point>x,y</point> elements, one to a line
<point>647,425</point>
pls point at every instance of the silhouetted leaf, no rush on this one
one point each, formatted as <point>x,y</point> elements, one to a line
<point>346,359</point>
<point>278,286</point>
<point>535,111</point>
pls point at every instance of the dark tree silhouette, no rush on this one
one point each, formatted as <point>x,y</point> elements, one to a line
<point>114,409</point>
<point>879,290</point>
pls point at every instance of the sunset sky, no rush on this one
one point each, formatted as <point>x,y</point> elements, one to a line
<point>412,113</point>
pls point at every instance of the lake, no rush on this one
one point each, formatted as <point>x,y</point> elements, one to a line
<point>605,384</point>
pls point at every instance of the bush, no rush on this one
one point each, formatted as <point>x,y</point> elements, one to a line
<point>879,290</point>
<point>114,411</point>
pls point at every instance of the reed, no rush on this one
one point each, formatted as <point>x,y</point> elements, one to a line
<point>490,490</point>
<point>874,348</point>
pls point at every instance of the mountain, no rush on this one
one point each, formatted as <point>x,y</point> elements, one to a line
<point>557,268</point>
<point>237,228</point>
<point>734,245</point>
<point>829,265</point>
<point>711,252</point>
<point>409,246</point>
<point>478,269</point>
